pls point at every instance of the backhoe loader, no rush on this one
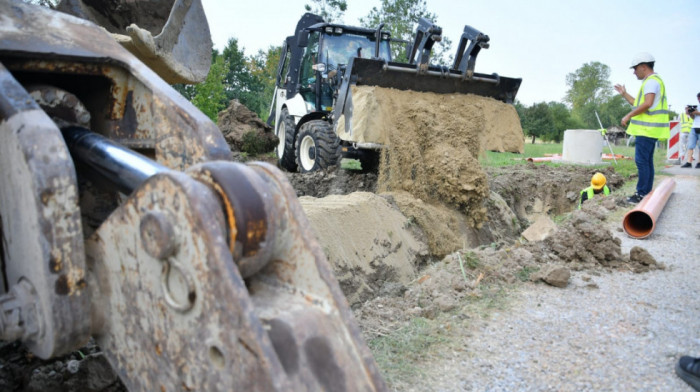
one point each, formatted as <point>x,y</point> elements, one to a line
<point>321,63</point>
<point>124,218</point>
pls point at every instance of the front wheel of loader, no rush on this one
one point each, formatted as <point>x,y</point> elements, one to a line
<point>317,146</point>
<point>285,148</point>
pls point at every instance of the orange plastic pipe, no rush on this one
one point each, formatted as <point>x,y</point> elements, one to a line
<point>641,221</point>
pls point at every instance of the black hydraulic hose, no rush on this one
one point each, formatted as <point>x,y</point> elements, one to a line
<point>378,40</point>
<point>112,163</point>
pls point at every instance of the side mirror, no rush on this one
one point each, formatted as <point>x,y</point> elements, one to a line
<point>303,40</point>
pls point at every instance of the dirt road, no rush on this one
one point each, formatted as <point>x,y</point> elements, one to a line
<point>616,331</point>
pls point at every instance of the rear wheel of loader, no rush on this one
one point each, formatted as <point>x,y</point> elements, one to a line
<point>285,148</point>
<point>317,146</point>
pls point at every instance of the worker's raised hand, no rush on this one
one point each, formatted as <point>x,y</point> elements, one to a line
<point>620,88</point>
<point>625,120</point>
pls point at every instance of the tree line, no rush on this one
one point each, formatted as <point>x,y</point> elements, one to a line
<point>251,78</point>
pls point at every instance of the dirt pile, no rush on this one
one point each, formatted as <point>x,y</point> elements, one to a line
<point>433,142</point>
<point>244,131</point>
<point>332,181</point>
<point>447,230</point>
<point>365,260</point>
<point>581,243</point>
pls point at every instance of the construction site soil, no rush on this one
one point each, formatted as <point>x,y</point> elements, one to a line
<point>429,230</point>
<point>398,257</point>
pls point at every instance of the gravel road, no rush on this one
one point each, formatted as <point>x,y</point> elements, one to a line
<point>626,334</point>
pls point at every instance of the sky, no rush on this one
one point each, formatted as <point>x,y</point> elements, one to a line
<point>540,41</point>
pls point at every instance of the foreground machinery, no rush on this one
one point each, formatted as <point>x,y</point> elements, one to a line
<point>122,217</point>
<point>322,62</point>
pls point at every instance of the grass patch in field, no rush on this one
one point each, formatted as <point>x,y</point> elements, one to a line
<point>624,167</point>
<point>399,354</point>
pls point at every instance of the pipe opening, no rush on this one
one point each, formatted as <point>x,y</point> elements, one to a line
<point>638,224</point>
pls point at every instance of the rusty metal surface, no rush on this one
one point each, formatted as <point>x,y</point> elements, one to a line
<point>61,106</point>
<point>249,214</point>
<point>198,330</point>
<point>173,312</point>
<point>128,101</point>
<point>171,37</point>
<point>300,302</point>
<point>41,232</point>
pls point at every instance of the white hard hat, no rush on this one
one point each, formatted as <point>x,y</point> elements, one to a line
<point>643,57</point>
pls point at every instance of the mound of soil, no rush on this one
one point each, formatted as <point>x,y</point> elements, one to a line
<point>367,242</point>
<point>332,181</point>
<point>433,142</point>
<point>244,131</point>
<point>582,242</point>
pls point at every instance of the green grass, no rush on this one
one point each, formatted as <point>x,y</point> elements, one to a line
<point>399,353</point>
<point>624,167</point>
<point>524,273</point>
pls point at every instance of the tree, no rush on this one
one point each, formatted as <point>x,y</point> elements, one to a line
<point>241,83</point>
<point>330,10</point>
<point>612,111</point>
<point>562,120</point>
<point>210,95</point>
<point>263,69</point>
<point>589,89</point>
<point>537,120</point>
<point>399,17</point>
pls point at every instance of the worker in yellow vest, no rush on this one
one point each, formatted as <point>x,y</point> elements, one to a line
<point>686,125</point>
<point>597,186</point>
<point>648,121</point>
<point>694,135</point>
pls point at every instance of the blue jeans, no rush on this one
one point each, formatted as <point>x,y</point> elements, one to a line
<point>644,158</point>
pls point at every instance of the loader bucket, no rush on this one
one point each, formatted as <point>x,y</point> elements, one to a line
<point>175,44</point>
<point>401,76</point>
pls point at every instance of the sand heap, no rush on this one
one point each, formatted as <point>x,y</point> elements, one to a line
<point>433,142</point>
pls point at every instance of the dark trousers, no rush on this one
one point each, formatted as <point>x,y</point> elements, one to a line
<point>644,158</point>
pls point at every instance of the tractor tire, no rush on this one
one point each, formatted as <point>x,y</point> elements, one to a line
<point>285,148</point>
<point>317,146</point>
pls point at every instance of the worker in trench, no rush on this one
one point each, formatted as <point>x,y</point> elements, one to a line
<point>597,187</point>
<point>648,121</point>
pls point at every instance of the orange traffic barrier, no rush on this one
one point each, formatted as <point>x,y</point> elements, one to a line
<point>641,221</point>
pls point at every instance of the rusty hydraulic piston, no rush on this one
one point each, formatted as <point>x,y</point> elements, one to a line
<point>200,324</point>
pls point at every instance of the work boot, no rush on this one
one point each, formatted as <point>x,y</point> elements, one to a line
<point>634,199</point>
<point>687,164</point>
<point>688,369</point>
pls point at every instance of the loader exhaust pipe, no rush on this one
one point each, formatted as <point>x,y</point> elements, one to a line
<point>107,161</point>
<point>641,221</point>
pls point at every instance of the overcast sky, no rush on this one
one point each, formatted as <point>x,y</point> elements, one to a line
<point>540,41</point>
